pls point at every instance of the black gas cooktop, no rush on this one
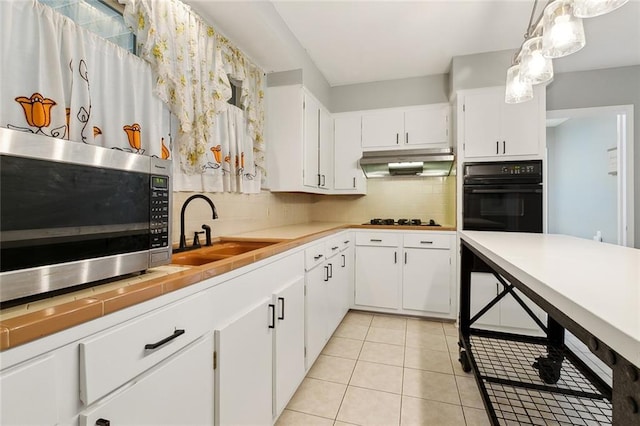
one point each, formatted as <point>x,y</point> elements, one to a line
<point>402,222</point>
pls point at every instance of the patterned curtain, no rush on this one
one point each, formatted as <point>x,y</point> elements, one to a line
<point>219,147</point>
<point>60,80</point>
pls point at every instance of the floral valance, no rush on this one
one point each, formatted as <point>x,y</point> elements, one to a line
<point>62,81</point>
<point>192,63</point>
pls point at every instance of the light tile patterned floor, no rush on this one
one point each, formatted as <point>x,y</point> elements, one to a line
<point>387,370</point>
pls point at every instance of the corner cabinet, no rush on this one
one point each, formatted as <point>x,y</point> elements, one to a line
<point>425,126</point>
<point>489,127</point>
<point>348,176</point>
<point>300,141</point>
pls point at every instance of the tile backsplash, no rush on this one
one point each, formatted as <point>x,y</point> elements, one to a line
<point>397,197</point>
<point>431,198</point>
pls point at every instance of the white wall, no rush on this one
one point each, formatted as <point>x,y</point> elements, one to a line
<point>582,195</point>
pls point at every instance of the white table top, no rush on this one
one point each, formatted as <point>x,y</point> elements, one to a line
<point>595,284</point>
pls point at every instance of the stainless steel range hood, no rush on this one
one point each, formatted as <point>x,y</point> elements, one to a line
<point>414,162</point>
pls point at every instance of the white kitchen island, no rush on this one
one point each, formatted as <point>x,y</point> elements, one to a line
<point>591,289</point>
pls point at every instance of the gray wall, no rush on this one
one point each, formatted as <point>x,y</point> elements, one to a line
<point>578,179</point>
<point>391,93</point>
<point>284,78</point>
<point>606,87</point>
<point>479,70</point>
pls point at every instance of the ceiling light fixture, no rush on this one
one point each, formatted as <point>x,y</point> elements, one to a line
<point>557,32</point>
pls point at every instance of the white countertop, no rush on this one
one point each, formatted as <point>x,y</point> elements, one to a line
<point>595,284</point>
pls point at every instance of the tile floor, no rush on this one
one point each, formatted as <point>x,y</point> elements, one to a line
<point>387,370</point>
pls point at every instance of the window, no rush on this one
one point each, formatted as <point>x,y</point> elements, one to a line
<point>236,92</point>
<point>103,17</point>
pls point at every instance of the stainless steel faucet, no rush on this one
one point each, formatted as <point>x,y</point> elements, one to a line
<point>183,239</point>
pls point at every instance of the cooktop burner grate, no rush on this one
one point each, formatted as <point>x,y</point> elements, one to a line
<point>402,222</point>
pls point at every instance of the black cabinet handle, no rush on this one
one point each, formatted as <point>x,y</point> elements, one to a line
<point>346,242</point>
<point>281,300</point>
<point>407,137</point>
<point>103,422</point>
<point>320,180</point>
<point>373,240</point>
<point>331,270</point>
<point>335,248</point>
<point>504,147</point>
<point>405,257</point>
<point>273,315</point>
<point>317,257</point>
<point>397,138</point>
<point>152,346</point>
<point>497,147</point>
<point>354,182</point>
<point>395,257</point>
<point>344,260</point>
<point>326,275</point>
<point>426,242</point>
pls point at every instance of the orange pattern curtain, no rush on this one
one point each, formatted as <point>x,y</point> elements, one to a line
<point>62,81</point>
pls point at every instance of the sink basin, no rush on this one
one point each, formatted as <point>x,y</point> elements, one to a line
<point>218,251</point>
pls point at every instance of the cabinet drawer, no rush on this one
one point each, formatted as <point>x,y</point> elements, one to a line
<point>314,256</point>
<point>383,239</point>
<point>114,357</point>
<point>337,244</point>
<point>427,240</point>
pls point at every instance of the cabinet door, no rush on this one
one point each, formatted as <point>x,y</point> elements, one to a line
<point>244,383</point>
<point>348,259</point>
<point>289,346</point>
<point>377,277</point>
<point>316,311</point>
<point>520,128</point>
<point>426,280</point>
<point>311,141</point>
<point>326,150</point>
<point>383,129</point>
<point>482,123</point>
<point>484,288</point>
<point>179,391</point>
<point>28,393</point>
<point>427,126</point>
<point>347,152</point>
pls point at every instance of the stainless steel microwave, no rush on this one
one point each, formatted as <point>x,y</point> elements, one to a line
<point>73,213</point>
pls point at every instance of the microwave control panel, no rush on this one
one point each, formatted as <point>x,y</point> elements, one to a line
<point>159,221</point>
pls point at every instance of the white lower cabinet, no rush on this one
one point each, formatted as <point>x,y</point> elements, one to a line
<point>28,393</point>
<point>328,291</point>
<point>244,367</point>
<point>316,311</point>
<point>408,273</point>
<point>289,368</point>
<point>426,280</point>
<point>378,277</point>
<point>178,391</point>
<point>507,314</point>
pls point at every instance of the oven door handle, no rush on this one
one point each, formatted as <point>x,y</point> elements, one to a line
<point>504,191</point>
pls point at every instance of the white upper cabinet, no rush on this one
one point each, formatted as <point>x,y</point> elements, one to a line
<point>426,126</point>
<point>300,141</point>
<point>348,177</point>
<point>489,127</point>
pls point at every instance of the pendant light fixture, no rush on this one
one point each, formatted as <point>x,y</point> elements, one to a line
<point>562,31</point>
<point>591,8</point>
<point>557,32</point>
<point>518,89</point>
<point>534,66</point>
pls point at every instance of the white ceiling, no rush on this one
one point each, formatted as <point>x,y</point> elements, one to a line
<point>363,41</point>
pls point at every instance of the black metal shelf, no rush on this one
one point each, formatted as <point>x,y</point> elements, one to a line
<point>504,365</point>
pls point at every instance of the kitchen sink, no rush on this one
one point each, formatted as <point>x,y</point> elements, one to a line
<point>218,251</point>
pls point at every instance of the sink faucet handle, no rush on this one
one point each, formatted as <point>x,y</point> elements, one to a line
<point>207,231</point>
<point>196,238</point>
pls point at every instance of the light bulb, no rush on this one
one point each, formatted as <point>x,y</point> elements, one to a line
<point>563,33</point>
<point>534,67</point>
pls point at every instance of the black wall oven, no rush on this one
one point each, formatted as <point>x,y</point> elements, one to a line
<point>503,196</point>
